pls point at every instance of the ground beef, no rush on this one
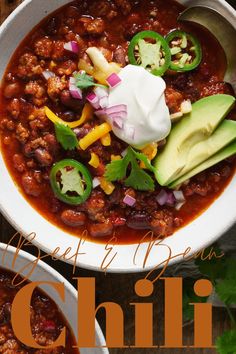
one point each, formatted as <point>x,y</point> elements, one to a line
<point>37,93</point>
<point>173,99</point>
<point>19,162</point>
<point>29,66</point>
<point>55,87</point>
<point>95,27</point>
<point>66,68</point>
<point>22,133</point>
<point>43,47</point>
<point>14,108</point>
<point>124,6</point>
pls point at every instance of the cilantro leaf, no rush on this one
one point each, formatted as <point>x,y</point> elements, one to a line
<point>141,157</point>
<point>189,296</point>
<point>71,181</point>
<point>84,81</point>
<point>226,344</point>
<point>116,170</point>
<point>214,268</point>
<point>226,290</point>
<point>66,137</point>
<point>138,178</point>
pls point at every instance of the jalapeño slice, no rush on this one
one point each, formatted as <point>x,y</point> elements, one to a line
<point>186,51</point>
<point>151,51</point>
<point>71,182</point>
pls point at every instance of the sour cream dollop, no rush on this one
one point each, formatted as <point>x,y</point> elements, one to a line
<point>148,117</point>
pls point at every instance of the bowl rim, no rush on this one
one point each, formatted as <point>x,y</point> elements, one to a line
<point>118,267</point>
<point>25,256</point>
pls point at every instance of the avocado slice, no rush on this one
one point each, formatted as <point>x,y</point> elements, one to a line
<point>222,136</point>
<point>176,158</point>
<point>223,154</point>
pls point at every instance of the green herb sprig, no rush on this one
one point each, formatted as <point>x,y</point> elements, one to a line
<point>136,177</point>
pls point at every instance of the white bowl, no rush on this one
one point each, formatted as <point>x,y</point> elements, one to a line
<point>44,272</point>
<point>198,234</point>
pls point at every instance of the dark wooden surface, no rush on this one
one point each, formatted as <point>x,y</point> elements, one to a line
<point>119,288</point>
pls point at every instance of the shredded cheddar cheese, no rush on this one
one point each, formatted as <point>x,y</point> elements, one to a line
<point>106,186</point>
<point>96,134</point>
<point>86,115</point>
<point>106,140</point>
<point>115,157</point>
<point>150,151</point>
<point>94,162</point>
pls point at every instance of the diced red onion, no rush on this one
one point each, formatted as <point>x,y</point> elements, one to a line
<point>116,108</point>
<point>162,197</point>
<point>113,80</point>
<point>76,93</point>
<point>179,196</point>
<point>74,90</point>
<point>72,81</point>
<point>130,131</point>
<point>171,199</point>
<point>121,114</point>
<point>96,182</point>
<point>93,99</point>
<point>118,111</point>
<point>103,102</point>
<point>128,200</point>
<point>101,113</point>
<point>47,74</point>
<point>118,122</point>
<point>101,92</point>
<point>124,153</point>
<point>72,46</point>
<point>179,205</point>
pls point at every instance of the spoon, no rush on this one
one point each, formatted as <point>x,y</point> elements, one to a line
<point>220,19</point>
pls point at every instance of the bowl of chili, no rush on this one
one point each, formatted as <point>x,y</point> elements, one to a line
<point>51,314</point>
<point>63,196</point>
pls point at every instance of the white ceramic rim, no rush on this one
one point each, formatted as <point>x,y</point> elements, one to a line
<point>215,221</point>
<point>44,272</point>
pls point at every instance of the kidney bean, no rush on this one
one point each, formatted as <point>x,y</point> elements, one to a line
<point>43,157</point>
<point>138,221</point>
<point>30,185</point>
<point>12,90</point>
<point>100,230</point>
<point>73,218</point>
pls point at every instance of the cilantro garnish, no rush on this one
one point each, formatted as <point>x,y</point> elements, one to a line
<point>226,344</point>
<point>65,136</point>
<point>222,273</point>
<point>189,296</point>
<point>84,81</point>
<point>71,181</point>
<point>137,178</point>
